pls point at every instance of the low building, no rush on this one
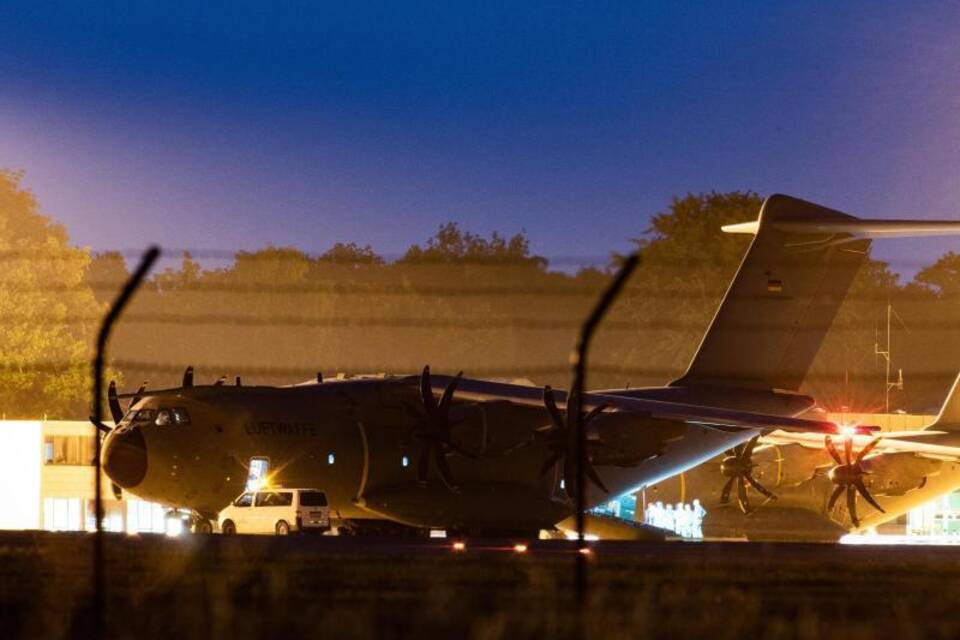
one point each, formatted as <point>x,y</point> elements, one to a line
<point>48,482</point>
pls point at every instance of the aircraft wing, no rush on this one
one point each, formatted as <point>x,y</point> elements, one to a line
<point>722,419</point>
<point>937,445</point>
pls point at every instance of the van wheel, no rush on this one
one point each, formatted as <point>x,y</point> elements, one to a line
<point>203,526</point>
<point>283,529</point>
<point>228,528</point>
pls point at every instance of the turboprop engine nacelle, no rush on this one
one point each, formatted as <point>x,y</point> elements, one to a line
<point>899,473</point>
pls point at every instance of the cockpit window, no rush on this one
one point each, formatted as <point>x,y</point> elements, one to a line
<point>164,417</point>
<point>145,415</point>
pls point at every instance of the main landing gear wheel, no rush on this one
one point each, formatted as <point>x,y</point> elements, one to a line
<point>203,526</point>
<point>283,528</point>
<point>228,528</point>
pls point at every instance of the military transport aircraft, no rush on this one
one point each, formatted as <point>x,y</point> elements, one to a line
<point>789,486</point>
<point>479,456</point>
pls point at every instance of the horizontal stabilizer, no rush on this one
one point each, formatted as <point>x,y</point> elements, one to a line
<point>857,229</point>
<point>949,418</point>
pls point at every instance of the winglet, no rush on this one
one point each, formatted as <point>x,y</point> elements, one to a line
<point>949,417</point>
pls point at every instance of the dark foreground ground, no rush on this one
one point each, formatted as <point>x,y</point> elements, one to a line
<point>264,587</point>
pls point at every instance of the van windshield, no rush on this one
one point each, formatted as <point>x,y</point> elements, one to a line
<point>313,499</point>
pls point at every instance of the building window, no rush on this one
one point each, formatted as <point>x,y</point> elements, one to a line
<point>69,450</point>
<point>404,461</point>
<point>145,517</point>
<point>61,514</point>
<point>330,458</point>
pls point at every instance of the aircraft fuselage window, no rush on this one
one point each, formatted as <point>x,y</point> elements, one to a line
<point>244,501</point>
<point>180,415</point>
<point>164,418</point>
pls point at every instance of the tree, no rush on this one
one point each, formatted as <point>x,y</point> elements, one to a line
<point>942,277</point>
<point>106,275</point>
<point>686,266</point>
<point>451,245</point>
<point>50,313</point>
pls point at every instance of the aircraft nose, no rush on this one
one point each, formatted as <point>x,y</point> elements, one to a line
<point>125,458</point>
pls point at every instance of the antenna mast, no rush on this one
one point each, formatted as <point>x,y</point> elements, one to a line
<point>885,354</point>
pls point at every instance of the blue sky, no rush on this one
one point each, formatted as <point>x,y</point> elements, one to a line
<point>236,125</point>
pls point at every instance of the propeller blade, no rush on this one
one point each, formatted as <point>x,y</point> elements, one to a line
<point>551,404</point>
<point>858,483</point>
<point>725,494</point>
<point>239,382</point>
<point>551,461</point>
<point>138,394</point>
<point>595,412</point>
<point>759,487</point>
<point>832,449</point>
<point>834,497</point>
<point>423,464</point>
<point>458,449</point>
<point>114,403</point>
<point>188,377</point>
<point>867,449</point>
<point>573,414</point>
<point>848,449</point>
<point>100,426</point>
<point>594,477</point>
<point>319,377</point>
<point>426,392</point>
<point>742,495</point>
<point>117,491</point>
<point>444,469</point>
<point>852,505</point>
<point>730,453</point>
<point>748,449</point>
<point>447,397</point>
<point>413,411</point>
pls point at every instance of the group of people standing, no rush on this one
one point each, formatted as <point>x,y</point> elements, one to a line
<point>684,519</point>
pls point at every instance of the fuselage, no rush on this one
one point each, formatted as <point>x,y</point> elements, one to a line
<point>352,439</point>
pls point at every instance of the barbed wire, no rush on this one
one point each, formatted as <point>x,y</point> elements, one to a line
<point>473,324</point>
<point>399,290</point>
<point>304,372</point>
<point>281,254</point>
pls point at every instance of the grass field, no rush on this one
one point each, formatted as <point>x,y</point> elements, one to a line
<point>260,587</point>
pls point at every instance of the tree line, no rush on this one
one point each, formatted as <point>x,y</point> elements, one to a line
<point>483,304</point>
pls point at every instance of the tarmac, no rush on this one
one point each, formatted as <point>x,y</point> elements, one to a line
<point>263,586</point>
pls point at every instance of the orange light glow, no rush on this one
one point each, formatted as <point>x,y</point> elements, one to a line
<point>520,548</point>
<point>847,430</point>
<point>459,546</point>
<point>585,551</point>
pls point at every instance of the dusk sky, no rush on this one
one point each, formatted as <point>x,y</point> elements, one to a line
<point>237,125</point>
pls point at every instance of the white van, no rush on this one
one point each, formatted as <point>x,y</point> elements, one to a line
<point>279,511</point>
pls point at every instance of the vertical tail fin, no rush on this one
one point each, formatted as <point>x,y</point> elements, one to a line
<point>782,300</point>
<point>949,417</point>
